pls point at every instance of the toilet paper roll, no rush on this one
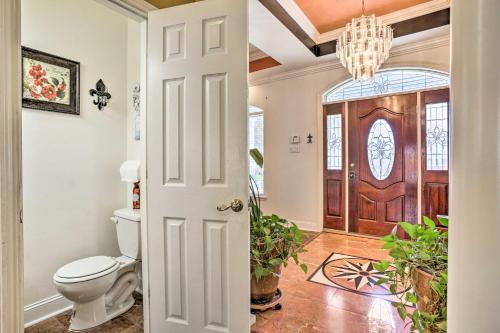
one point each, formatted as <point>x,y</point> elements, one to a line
<point>130,171</point>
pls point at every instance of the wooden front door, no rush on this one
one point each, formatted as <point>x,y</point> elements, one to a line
<point>382,166</point>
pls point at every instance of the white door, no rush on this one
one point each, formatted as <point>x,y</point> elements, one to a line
<point>197,159</point>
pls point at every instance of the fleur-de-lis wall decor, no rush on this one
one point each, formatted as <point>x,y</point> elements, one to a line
<point>101,93</point>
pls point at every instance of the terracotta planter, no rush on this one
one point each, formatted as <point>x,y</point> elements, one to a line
<point>427,298</point>
<point>264,289</point>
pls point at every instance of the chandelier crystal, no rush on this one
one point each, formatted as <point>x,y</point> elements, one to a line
<point>364,46</point>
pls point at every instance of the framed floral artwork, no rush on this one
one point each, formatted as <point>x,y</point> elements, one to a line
<point>50,83</point>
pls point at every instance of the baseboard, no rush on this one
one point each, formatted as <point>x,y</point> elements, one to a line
<point>308,226</point>
<point>44,309</point>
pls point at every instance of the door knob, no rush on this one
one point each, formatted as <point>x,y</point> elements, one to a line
<point>351,174</point>
<point>236,205</point>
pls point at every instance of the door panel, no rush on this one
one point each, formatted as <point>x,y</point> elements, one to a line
<point>197,156</point>
<point>435,152</point>
<point>382,163</point>
<point>333,174</point>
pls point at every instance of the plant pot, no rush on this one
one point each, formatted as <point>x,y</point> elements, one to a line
<point>427,299</point>
<point>264,289</point>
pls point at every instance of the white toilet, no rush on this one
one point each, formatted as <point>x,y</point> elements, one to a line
<point>101,287</point>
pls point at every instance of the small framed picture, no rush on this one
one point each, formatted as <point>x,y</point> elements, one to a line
<point>50,83</point>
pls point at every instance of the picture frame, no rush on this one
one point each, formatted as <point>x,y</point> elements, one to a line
<point>50,82</point>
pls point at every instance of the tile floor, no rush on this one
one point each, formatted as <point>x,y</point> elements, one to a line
<point>311,307</point>
<point>130,322</point>
<point>308,307</point>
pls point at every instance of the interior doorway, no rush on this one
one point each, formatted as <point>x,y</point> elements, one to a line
<point>385,157</point>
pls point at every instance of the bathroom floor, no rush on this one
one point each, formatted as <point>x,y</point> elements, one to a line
<point>130,322</point>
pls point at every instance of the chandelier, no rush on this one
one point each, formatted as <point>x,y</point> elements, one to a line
<point>364,45</point>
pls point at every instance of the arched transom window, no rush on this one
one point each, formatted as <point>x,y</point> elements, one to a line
<point>390,81</point>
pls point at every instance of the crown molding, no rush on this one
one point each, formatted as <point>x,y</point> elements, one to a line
<point>335,64</point>
<point>135,9</point>
<point>298,15</point>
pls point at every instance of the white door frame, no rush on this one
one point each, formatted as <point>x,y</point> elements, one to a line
<point>11,250</point>
<point>11,235</point>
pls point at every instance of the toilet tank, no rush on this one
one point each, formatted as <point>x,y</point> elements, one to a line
<point>128,230</point>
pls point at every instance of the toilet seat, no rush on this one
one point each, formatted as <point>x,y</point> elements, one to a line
<point>86,269</point>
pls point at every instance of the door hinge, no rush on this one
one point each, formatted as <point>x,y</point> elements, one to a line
<point>21,216</point>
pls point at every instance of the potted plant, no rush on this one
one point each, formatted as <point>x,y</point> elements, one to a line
<point>273,241</point>
<point>421,263</point>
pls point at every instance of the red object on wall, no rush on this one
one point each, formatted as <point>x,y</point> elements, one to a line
<point>136,197</point>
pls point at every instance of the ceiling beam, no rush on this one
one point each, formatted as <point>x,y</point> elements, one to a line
<point>403,28</point>
<point>282,15</point>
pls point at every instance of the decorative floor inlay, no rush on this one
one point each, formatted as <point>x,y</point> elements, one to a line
<point>355,274</point>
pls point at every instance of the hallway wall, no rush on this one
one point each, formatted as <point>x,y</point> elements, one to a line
<point>293,107</point>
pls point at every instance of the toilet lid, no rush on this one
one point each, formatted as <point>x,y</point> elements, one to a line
<point>86,267</point>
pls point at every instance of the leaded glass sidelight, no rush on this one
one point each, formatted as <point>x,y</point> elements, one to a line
<point>381,149</point>
<point>436,128</point>
<point>334,141</point>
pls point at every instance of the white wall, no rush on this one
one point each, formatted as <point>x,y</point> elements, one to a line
<point>70,163</point>
<point>292,106</point>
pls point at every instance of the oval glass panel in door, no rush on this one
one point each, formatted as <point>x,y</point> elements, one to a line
<point>381,149</point>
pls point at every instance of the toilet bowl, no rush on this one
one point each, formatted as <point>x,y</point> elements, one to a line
<point>101,288</point>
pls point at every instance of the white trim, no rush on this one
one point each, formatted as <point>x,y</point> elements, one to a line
<point>144,175</point>
<point>135,9</point>
<point>309,225</point>
<point>45,309</point>
<point>298,15</point>
<point>11,248</point>
<point>335,64</point>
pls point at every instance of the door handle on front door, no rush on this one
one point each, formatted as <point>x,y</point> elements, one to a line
<point>352,173</point>
<point>236,205</point>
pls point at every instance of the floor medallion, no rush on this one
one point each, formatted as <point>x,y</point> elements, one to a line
<point>355,274</point>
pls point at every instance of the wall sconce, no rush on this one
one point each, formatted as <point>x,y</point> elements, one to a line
<point>102,95</point>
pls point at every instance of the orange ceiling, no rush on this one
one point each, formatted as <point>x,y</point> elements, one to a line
<point>327,15</point>
<point>264,63</point>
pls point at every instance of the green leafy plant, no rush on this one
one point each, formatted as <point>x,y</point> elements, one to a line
<point>273,240</point>
<point>425,251</point>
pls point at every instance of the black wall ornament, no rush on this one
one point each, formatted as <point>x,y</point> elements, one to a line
<point>309,138</point>
<point>101,92</point>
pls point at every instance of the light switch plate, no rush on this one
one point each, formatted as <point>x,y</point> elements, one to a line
<point>294,149</point>
<point>295,139</point>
